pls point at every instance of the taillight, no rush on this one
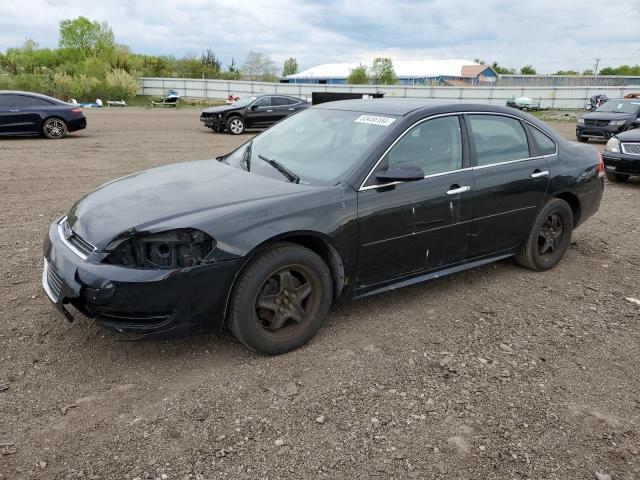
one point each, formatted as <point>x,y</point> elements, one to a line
<point>600,167</point>
<point>76,110</point>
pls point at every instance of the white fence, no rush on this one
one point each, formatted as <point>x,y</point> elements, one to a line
<point>553,97</point>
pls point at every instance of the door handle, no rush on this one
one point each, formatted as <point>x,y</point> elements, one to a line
<point>268,111</point>
<point>14,111</point>
<point>455,189</point>
<point>291,109</point>
<point>538,173</point>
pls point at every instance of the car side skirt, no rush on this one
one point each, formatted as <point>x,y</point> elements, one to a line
<point>404,281</point>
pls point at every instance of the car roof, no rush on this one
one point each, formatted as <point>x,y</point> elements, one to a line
<point>405,106</point>
<point>29,94</point>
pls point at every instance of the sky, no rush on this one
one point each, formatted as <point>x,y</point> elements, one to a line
<point>549,34</point>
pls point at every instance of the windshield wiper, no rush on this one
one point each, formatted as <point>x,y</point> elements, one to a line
<point>292,177</point>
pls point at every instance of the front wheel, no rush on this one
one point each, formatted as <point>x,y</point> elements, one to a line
<point>582,139</point>
<point>54,128</point>
<point>235,125</point>
<point>617,177</point>
<point>281,299</point>
<point>549,237</point>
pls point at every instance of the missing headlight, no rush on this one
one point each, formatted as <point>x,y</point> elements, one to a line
<point>172,249</point>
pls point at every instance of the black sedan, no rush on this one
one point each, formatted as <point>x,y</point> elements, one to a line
<point>609,119</point>
<point>622,156</point>
<point>258,111</point>
<point>24,113</point>
<point>343,200</point>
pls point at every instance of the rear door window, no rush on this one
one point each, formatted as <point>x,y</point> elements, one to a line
<point>498,139</point>
<point>545,144</point>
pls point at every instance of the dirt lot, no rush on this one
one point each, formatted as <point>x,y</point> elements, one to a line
<point>497,372</point>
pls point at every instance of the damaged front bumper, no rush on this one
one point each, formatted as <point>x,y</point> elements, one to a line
<point>149,303</point>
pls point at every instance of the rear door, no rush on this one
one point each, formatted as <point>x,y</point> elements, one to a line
<point>283,107</point>
<point>511,180</point>
<point>409,227</point>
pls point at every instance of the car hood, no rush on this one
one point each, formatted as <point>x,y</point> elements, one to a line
<point>168,197</point>
<point>629,136</point>
<point>221,109</point>
<point>606,116</point>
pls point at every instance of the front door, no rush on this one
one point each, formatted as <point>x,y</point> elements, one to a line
<point>511,181</point>
<point>409,227</point>
<point>12,119</point>
<point>261,113</point>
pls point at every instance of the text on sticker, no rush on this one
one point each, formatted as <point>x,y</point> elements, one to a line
<point>375,120</point>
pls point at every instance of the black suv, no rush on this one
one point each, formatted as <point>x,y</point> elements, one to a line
<point>256,111</point>
<point>613,117</point>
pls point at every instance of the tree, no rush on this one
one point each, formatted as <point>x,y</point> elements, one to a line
<point>382,71</point>
<point>358,76</point>
<point>502,70</point>
<point>258,66</point>
<point>211,65</point>
<point>290,67</point>
<point>477,60</point>
<point>83,35</point>
<point>528,70</point>
<point>566,72</point>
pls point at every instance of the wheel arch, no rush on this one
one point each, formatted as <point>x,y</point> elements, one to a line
<point>316,242</point>
<point>574,202</point>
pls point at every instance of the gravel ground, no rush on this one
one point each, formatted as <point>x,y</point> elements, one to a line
<point>497,372</point>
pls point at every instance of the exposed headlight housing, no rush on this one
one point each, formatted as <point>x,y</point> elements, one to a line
<point>181,248</point>
<point>581,121</point>
<point>613,145</point>
<point>617,123</point>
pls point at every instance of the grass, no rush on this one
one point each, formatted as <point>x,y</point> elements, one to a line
<point>145,101</point>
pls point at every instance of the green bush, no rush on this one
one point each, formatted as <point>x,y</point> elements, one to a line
<point>120,85</point>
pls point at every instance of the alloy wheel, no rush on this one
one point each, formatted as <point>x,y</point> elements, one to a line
<point>550,234</point>
<point>288,300</point>
<point>236,126</point>
<point>55,128</point>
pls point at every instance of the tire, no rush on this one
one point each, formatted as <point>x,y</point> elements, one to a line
<point>617,177</point>
<point>281,299</point>
<point>235,125</point>
<point>583,139</point>
<point>54,128</point>
<point>549,237</point>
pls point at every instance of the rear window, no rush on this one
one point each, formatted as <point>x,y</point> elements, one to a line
<point>498,139</point>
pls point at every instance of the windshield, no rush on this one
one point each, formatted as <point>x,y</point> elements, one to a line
<point>317,145</point>
<point>619,106</point>
<point>244,101</point>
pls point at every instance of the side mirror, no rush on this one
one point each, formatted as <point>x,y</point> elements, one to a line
<point>407,173</point>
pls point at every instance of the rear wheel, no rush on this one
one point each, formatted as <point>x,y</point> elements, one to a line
<point>549,237</point>
<point>281,299</point>
<point>54,128</point>
<point>235,125</point>
<point>617,177</point>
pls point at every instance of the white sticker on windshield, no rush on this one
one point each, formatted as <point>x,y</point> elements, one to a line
<point>375,120</point>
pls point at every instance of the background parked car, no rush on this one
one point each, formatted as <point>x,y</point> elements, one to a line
<point>613,117</point>
<point>24,113</point>
<point>622,156</point>
<point>257,111</point>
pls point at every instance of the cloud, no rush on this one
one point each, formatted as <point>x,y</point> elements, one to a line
<point>549,34</point>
